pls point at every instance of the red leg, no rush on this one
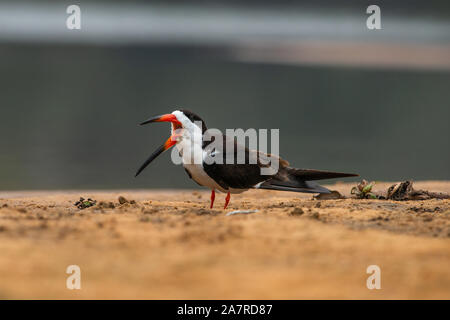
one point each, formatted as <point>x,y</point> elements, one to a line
<point>227,200</point>
<point>213,196</point>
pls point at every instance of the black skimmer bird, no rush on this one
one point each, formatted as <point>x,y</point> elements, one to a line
<point>188,134</point>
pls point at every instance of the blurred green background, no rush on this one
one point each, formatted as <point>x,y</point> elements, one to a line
<point>374,102</point>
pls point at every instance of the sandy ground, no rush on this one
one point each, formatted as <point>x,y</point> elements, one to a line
<point>170,245</point>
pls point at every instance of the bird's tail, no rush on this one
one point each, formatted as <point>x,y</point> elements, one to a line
<point>301,180</point>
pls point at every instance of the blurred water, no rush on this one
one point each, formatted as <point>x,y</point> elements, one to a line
<point>69,114</point>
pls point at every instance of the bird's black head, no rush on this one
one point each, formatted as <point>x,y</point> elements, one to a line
<point>180,120</point>
<point>194,118</point>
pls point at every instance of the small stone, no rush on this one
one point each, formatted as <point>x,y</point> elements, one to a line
<point>296,212</point>
<point>106,205</point>
<point>123,200</point>
<point>241,212</point>
<point>314,215</point>
<point>149,211</point>
<point>329,196</point>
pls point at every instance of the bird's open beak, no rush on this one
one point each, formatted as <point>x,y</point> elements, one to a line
<point>168,144</point>
<point>163,118</point>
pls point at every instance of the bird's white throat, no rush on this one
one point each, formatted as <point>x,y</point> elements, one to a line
<point>190,140</point>
<point>192,154</point>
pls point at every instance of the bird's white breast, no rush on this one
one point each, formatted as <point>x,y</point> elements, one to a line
<point>192,156</point>
<point>201,177</point>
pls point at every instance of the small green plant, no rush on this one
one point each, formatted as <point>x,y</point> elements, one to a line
<point>83,204</point>
<point>364,190</point>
